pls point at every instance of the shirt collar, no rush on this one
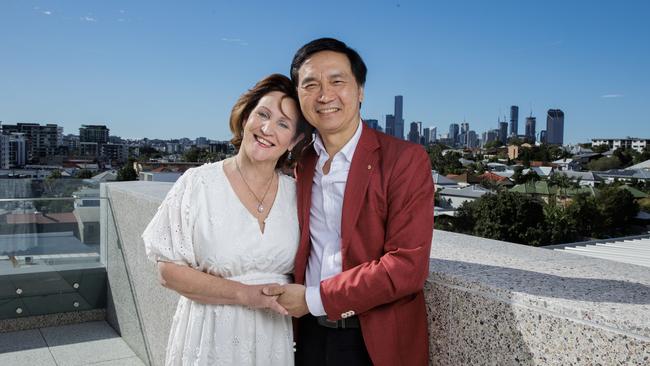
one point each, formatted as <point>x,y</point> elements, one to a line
<point>347,150</point>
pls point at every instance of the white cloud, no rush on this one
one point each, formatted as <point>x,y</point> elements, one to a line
<point>612,96</point>
<point>47,12</point>
<point>238,41</point>
<point>88,19</point>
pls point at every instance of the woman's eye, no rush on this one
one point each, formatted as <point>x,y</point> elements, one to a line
<point>262,114</point>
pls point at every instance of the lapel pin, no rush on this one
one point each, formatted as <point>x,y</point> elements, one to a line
<point>369,167</point>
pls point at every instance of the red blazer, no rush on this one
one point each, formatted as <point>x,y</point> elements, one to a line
<point>386,232</point>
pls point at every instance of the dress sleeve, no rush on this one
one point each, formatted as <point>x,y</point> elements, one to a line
<point>168,237</point>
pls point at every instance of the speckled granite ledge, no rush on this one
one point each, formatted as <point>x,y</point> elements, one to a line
<point>51,320</point>
<point>500,303</point>
<point>489,302</point>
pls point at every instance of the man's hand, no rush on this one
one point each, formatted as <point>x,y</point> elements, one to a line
<point>291,297</point>
<point>254,297</point>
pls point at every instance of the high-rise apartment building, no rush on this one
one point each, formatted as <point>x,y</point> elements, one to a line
<point>530,129</point>
<point>434,134</point>
<point>555,127</point>
<point>93,133</point>
<point>514,120</point>
<point>399,117</point>
<point>42,141</point>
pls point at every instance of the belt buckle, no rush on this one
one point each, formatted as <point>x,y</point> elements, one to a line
<point>324,321</point>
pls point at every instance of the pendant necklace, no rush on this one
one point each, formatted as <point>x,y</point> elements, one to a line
<point>260,206</point>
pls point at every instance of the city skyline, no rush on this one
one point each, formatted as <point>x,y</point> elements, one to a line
<point>167,71</point>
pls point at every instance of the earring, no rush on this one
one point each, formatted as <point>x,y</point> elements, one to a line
<point>290,156</point>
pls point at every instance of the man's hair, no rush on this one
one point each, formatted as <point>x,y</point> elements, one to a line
<point>329,44</point>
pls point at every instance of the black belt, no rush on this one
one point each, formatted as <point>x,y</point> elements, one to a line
<point>350,322</point>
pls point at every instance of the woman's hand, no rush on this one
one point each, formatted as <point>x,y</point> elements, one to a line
<point>252,296</point>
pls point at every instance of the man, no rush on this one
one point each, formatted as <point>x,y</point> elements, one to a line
<point>365,203</point>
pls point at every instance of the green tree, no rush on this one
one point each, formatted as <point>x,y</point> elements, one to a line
<point>444,164</point>
<point>127,173</point>
<point>605,163</point>
<point>504,216</point>
<point>84,174</point>
<point>586,215</point>
<point>560,225</point>
<point>617,209</point>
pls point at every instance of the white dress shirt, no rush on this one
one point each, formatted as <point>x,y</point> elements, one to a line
<point>325,219</point>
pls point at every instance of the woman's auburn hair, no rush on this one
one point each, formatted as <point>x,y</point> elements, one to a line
<point>249,100</point>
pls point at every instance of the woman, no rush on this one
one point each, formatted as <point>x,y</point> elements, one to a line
<point>228,228</point>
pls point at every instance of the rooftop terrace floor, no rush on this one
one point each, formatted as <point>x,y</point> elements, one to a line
<point>92,343</point>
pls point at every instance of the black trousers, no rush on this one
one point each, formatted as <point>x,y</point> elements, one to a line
<point>321,346</point>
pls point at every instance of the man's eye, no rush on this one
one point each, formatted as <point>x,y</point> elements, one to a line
<point>309,86</point>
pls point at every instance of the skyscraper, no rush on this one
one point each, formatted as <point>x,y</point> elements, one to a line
<point>434,134</point>
<point>471,139</point>
<point>390,125</point>
<point>514,120</point>
<point>399,118</point>
<point>414,134</point>
<point>555,127</point>
<point>503,132</point>
<point>530,129</point>
<point>426,134</point>
<point>453,132</point>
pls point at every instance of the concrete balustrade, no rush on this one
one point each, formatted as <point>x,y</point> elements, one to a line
<point>489,302</point>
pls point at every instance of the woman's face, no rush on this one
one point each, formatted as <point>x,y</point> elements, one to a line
<point>270,129</point>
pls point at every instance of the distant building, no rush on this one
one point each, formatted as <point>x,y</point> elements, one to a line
<point>542,136</point>
<point>472,140</point>
<point>93,133</point>
<point>514,120</point>
<point>17,150</point>
<point>453,132</point>
<point>115,152</point>
<point>390,125</point>
<point>635,143</point>
<point>201,142</point>
<point>555,127</point>
<point>4,152</point>
<point>399,118</point>
<point>372,123</point>
<point>530,129</point>
<point>433,134</point>
<point>414,135</point>
<point>426,135</point>
<point>42,141</point>
<point>503,132</point>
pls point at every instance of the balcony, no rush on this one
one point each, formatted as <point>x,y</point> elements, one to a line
<point>489,302</point>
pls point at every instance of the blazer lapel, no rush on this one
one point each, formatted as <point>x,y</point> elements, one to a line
<point>364,164</point>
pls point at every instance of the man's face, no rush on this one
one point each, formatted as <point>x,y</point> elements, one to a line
<point>329,94</point>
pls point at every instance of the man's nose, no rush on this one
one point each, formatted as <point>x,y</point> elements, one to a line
<point>326,94</point>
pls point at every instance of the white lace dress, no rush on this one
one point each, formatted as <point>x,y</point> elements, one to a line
<point>202,224</point>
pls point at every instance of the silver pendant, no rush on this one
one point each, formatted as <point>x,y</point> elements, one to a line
<point>260,208</point>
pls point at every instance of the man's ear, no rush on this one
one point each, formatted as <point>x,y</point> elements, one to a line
<point>361,94</point>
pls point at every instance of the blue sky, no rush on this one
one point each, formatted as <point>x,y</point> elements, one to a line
<point>170,69</point>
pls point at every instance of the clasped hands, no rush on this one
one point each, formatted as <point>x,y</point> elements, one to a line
<point>284,299</point>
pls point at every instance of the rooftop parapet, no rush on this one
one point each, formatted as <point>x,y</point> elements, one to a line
<point>489,302</point>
